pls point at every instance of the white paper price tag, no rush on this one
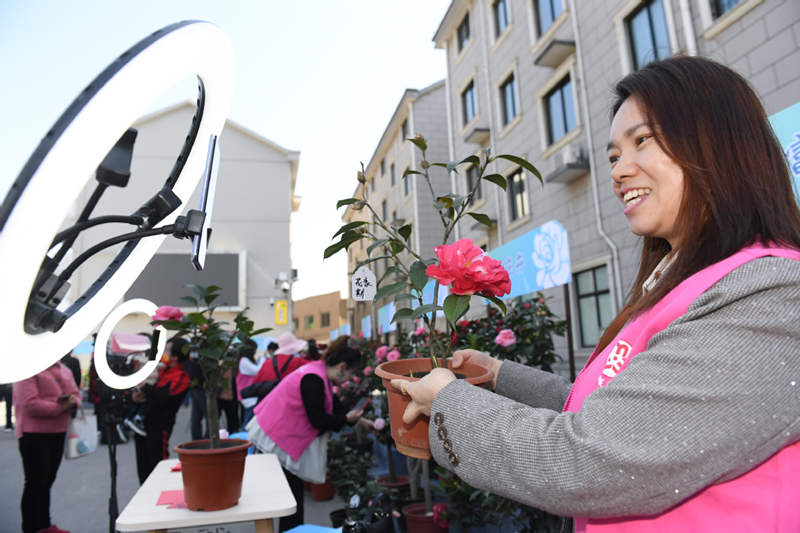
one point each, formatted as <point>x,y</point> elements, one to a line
<point>363,285</point>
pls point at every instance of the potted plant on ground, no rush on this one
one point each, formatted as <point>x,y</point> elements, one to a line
<point>212,469</point>
<point>461,265</point>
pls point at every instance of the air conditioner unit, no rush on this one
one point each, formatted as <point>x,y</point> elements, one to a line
<point>570,163</point>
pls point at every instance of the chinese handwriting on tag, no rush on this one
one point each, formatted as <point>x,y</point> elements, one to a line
<point>363,288</point>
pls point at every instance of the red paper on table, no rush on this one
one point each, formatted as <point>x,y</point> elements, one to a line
<point>176,468</point>
<point>173,499</point>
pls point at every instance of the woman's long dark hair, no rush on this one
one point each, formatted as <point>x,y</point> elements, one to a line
<point>340,351</point>
<point>737,188</point>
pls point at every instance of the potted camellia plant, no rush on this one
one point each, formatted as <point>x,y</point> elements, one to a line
<point>461,265</point>
<point>212,468</point>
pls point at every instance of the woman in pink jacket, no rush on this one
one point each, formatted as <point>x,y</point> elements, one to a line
<point>43,406</point>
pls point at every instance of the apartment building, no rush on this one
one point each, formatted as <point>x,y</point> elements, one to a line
<point>316,317</point>
<point>400,199</point>
<point>534,78</point>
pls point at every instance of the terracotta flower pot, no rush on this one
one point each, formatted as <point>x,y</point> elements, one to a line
<point>419,521</point>
<point>412,439</point>
<point>322,492</point>
<point>212,478</point>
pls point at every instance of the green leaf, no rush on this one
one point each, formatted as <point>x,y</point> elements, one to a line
<point>418,276</point>
<point>474,159</point>
<point>405,231</point>
<point>421,310</point>
<point>495,300</point>
<point>455,305</point>
<point>419,142</point>
<point>523,163</point>
<point>401,314</point>
<point>346,201</point>
<point>260,330</point>
<point>404,296</point>
<point>388,290</point>
<point>483,219</point>
<point>444,201</point>
<point>196,318</point>
<point>347,240</point>
<point>443,165</point>
<point>408,171</point>
<point>370,260</point>
<point>348,227</point>
<point>390,270</point>
<point>379,242</point>
<point>190,300</point>
<point>498,180</point>
<point>396,246</point>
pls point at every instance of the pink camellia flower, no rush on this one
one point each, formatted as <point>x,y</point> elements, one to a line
<point>505,338</point>
<point>469,270</point>
<point>527,305</point>
<point>347,384</point>
<point>439,513</point>
<point>419,331</point>
<point>335,389</point>
<point>367,370</point>
<point>394,355</point>
<point>356,379</point>
<point>167,312</point>
<point>381,352</point>
<point>379,424</point>
<point>223,433</point>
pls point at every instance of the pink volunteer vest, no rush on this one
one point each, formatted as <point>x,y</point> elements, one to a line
<point>281,413</point>
<point>766,498</point>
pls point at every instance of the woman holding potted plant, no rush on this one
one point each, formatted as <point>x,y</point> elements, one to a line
<point>292,421</point>
<point>685,418</point>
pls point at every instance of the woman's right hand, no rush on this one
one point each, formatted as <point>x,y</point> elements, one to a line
<point>353,415</point>
<point>481,358</point>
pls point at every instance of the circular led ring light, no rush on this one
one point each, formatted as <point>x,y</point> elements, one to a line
<point>190,48</point>
<point>104,372</point>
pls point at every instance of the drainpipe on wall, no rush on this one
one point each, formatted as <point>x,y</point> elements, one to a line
<point>592,164</point>
<point>688,28</point>
<point>413,130</point>
<point>451,147</point>
<point>490,111</point>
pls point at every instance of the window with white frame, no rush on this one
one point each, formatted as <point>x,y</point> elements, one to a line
<point>383,167</point>
<point>473,178</point>
<point>500,11</point>
<point>325,320</point>
<point>407,182</point>
<point>469,103</point>
<point>462,34</point>
<point>547,11</point>
<point>517,196</point>
<point>594,304</point>
<point>647,33</point>
<point>391,175</point>
<point>508,99</point>
<point>560,110</point>
<point>404,131</point>
<point>309,321</point>
<point>720,7</point>
<point>384,212</point>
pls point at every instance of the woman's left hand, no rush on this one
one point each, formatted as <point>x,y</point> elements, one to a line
<point>423,392</point>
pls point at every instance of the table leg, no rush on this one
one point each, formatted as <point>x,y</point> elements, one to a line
<point>264,526</point>
<point>157,531</point>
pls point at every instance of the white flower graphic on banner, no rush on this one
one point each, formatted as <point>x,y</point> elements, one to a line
<point>551,255</point>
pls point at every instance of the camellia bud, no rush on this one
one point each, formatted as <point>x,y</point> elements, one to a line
<point>361,177</point>
<point>424,164</point>
<point>358,206</point>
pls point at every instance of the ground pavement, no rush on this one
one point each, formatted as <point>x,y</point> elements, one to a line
<point>80,495</point>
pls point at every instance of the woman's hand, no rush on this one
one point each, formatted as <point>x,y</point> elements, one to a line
<point>353,415</point>
<point>482,358</point>
<point>423,392</point>
<point>366,423</point>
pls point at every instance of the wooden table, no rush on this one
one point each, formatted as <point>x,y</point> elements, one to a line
<point>265,495</point>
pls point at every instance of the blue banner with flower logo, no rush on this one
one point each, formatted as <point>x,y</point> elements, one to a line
<point>366,326</point>
<point>385,314</point>
<point>536,261</point>
<point>786,125</point>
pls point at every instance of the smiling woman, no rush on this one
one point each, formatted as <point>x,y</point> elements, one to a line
<point>681,420</point>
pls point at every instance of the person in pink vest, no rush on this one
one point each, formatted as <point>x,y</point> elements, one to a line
<point>43,405</point>
<point>686,417</point>
<point>293,420</point>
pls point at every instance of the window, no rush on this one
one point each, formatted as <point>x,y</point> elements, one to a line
<point>383,167</point>
<point>560,110</point>
<point>594,304</point>
<point>472,177</point>
<point>517,195</point>
<point>309,321</point>
<point>404,130</point>
<point>295,324</point>
<point>325,320</point>
<point>469,104</point>
<point>462,34</point>
<point>407,182</point>
<point>547,11</point>
<point>647,30</point>
<point>720,7</point>
<point>500,9</point>
<point>383,210</point>
<point>391,174</point>
<point>508,97</point>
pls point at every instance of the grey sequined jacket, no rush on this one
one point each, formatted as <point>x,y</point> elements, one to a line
<point>713,395</point>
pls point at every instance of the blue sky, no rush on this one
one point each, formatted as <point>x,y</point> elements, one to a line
<point>319,76</point>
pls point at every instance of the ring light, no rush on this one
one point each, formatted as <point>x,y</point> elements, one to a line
<point>104,372</point>
<point>67,157</point>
